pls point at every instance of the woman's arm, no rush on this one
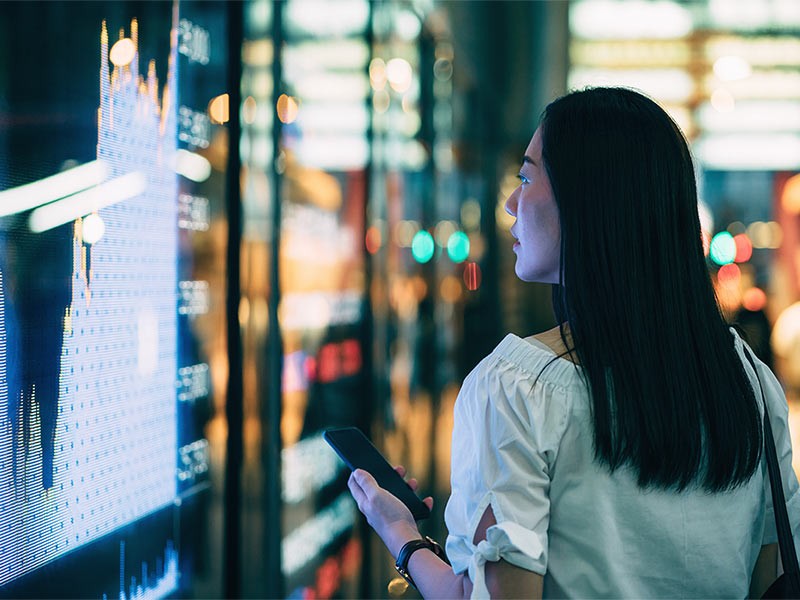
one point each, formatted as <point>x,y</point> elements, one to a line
<point>394,524</point>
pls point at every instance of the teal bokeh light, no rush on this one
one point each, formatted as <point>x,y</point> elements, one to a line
<point>723,248</point>
<point>458,247</point>
<point>422,246</point>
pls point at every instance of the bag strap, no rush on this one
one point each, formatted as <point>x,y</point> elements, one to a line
<point>785,539</point>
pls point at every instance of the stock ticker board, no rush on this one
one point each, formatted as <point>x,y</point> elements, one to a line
<point>92,314</point>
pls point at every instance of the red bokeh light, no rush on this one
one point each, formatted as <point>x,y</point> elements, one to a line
<point>336,360</point>
<point>729,273</point>
<point>744,248</point>
<point>472,276</point>
<point>329,575</point>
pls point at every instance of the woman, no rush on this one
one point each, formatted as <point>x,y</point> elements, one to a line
<point>618,455</point>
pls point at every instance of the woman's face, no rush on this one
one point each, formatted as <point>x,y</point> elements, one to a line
<point>536,229</point>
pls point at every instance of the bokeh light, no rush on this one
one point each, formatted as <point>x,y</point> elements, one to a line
<point>729,274</point>
<point>218,109</point>
<point>765,235</point>
<point>723,248</point>
<point>443,69</point>
<point>736,228</point>
<point>722,101</point>
<point>754,299</point>
<point>790,196</point>
<point>373,239</point>
<point>477,246</point>
<point>731,68</point>
<point>744,248</point>
<point>422,246</point>
<point>381,101</point>
<point>249,110</point>
<point>471,214</point>
<point>404,233</point>
<point>122,52</point>
<point>93,228</point>
<point>443,231</point>
<point>786,332</point>
<point>400,74</point>
<point>287,109</point>
<point>377,74</point>
<point>408,104</point>
<point>451,289</point>
<point>472,276</point>
<point>458,247</point>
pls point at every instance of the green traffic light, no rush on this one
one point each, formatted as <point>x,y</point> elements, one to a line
<point>458,247</point>
<point>422,246</point>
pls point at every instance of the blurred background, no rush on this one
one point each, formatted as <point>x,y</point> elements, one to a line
<point>320,224</point>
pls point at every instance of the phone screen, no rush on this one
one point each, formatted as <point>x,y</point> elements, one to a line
<point>355,449</point>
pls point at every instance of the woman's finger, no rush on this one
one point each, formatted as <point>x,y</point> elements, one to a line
<point>355,490</point>
<point>401,470</point>
<point>366,482</point>
<point>429,502</point>
<point>413,483</point>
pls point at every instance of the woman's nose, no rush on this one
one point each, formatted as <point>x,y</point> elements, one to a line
<point>511,203</point>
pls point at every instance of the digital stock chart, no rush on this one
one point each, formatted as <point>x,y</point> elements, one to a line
<point>97,388</point>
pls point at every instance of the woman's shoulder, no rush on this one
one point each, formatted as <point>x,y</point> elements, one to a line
<point>520,388</point>
<point>553,339</point>
<point>532,360</point>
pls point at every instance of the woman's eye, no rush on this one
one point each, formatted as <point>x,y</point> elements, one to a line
<point>522,178</point>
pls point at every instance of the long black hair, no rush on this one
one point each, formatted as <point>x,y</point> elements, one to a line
<point>670,397</point>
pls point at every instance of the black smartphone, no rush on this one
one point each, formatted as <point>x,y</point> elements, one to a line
<point>357,452</point>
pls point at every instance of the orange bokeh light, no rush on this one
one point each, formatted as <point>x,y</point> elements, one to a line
<point>373,240</point>
<point>754,299</point>
<point>790,197</point>
<point>287,109</point>
<point>450,289</point>
<point>218,109</point>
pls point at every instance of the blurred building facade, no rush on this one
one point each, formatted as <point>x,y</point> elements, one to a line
<point>454,91</point>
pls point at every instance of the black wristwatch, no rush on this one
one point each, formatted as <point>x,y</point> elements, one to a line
<point>409,548</point>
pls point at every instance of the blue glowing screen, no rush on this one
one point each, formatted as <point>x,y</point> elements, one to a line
<point>95,380</point>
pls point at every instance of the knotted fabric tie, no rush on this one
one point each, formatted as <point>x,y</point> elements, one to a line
<point>513,542</point>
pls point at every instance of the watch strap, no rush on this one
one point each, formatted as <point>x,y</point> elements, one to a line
<point>409,548</point>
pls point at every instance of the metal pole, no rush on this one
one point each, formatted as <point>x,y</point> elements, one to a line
<point>271,403</point>
<point>234,401</point>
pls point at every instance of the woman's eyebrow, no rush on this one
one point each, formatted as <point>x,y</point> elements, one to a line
<point>528,159</point>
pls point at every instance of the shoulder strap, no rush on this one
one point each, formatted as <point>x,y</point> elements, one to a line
<point>785,539</point>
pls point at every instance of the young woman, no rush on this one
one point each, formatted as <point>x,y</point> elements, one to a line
<point>618,455</point>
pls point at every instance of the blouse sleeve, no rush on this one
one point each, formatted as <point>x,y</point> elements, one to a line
<point>505,442</point>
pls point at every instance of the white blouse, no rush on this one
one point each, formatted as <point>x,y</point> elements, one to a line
<point>527,451</point>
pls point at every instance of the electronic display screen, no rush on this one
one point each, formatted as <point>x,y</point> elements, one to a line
<point>102,386</point>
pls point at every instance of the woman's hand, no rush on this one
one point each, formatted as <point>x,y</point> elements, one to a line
<point>387,515</point>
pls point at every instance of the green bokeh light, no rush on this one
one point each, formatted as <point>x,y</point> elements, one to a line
<point>723,248</point>
<point>422,246</point>
<point>458,247</point>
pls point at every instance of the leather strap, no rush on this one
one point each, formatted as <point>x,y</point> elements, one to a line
<point>784,528</point>
<point>409,548</point>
